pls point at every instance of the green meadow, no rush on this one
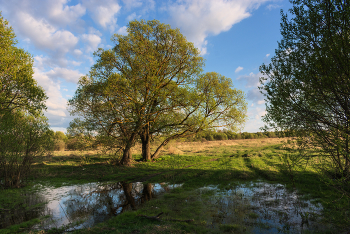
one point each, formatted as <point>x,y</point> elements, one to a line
<point>204,171</point>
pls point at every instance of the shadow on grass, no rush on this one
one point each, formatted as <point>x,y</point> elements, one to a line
<point>193,171</point>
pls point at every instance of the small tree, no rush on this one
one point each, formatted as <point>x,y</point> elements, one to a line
<point>308,84</point>
<point>22,137</point>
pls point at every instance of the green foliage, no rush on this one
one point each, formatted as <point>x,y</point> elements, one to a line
<point>307,84</point>
<point>22,138</point>
<point>24,132</point>
<point>18,89</point>
<point>60,140</point>
<point>149,86</point>
<point>80,136</point>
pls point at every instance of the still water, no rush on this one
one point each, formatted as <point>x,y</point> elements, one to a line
<point>255,207</point>
<point>260,207</point>
<point>83,206</point>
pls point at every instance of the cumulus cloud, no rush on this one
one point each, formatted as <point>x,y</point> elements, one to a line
<point>238,69</point>
<point>132,3</point>
<point>252,80</point>
<point>65,74</point>
<point>255,96</point>
<point>146,5</point>
<point>45,36</point>
<point>56,103</point>
<point>122,30</point>
<point>198,19</point>
<point>133,16</point>
<point>104,12</point>
<point>55,12</point>
<point>92,41</point>
<point>267,55</point>
<point>255,121</point>
<point>77,52</point>
<point>62,14</point>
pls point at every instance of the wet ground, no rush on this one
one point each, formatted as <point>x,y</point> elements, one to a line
<point>82,206</point>
<point>255,207</point>
<point>260,207</point>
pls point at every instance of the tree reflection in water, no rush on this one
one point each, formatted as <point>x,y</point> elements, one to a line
<point>98,203</point>
<point>81,206</point>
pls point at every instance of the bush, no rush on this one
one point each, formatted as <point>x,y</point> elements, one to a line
<point>209,137</point>
<point>59,145</point>
<point>22,138</point>
<point>220,136</point>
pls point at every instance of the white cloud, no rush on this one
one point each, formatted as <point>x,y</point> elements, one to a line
<point>66,90</point>
<point>77,52</point>
<point>146,5</point>
<point>55,12</point>
<point>267,55</point>
<point>238,69</point>
<point>273,6</point>
<point>251,79</point>
<point>122,30</point>
<point>64,73</point>
<point>198,19</point>
<point>261,102</point>
<point>254,122</point>
<point>261,112</point>
<point>255,95</point>
<point>132,16</point>
<point>92,41</point>
<point>61,13</point>
<point>132,3</point>
<point>56,103</point>
<point>104,12</point>
<point>45,36</point>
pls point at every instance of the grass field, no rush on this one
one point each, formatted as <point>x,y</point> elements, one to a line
<point>196,165</point>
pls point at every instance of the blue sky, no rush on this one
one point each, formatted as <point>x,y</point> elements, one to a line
<point>235,37</point>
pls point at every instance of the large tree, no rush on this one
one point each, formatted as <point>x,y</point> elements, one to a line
<point>307,83</point>
<point>147,85</point>
<point>18,89</point>
<point>24,130</point>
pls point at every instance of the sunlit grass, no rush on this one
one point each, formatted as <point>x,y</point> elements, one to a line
<point>195,164</point>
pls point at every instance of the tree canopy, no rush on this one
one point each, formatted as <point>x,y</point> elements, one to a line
<point>24,131</point>
<point>18,89</point>
<point>307,83</point>
<point>150,84</point>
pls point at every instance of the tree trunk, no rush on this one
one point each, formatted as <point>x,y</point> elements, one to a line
<point>127,156</point>
<point>146,144</point>
<point>158,150</point>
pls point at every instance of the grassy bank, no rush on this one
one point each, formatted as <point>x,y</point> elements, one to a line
<point>195,165</point>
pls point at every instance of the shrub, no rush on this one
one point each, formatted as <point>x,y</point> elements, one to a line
<point>220,136</point>
<point>59,145</point>
<point>22,138</point>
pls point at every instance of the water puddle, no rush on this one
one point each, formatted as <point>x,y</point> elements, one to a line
<point>255,207</point>
<point>262,208</point>
<point>83,206</point>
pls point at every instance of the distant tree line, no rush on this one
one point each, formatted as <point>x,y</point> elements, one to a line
<point>88,142</point>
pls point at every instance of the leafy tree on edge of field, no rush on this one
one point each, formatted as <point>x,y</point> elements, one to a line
<point>18,89</point>
<point>308,84</point>
<point>24,131</point>
<point>150,85</point>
